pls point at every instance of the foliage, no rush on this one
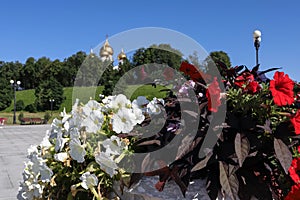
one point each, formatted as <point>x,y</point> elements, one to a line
<point>20,105</point>
<point>31,108</point>
<point>253,154</point>
<point>20,116</point>
<point>49,89</point>
<point>6,94</point>
<point>47,117</point>
<point>220,59</point>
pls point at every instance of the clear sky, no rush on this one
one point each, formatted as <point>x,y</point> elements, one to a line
<point>59,28</point>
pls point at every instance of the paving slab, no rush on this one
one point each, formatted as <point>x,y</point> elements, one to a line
<point>14,142</point>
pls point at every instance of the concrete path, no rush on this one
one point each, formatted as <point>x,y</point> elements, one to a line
<point>14,141</point>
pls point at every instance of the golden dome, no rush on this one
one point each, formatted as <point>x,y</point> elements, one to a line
<point>106,50</point>
<point>122,55</point>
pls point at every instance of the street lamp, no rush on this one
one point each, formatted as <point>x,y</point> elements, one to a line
<point>15,85</point>
<point>256,40</point>
<point>51,104</point>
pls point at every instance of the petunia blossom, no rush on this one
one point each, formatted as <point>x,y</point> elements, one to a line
<point>296,122</point>
<point>88,180</point>
<point>62,157</point>
<point>213,95</point>
<point>123,121</point>
<point>294,170</point>
<point>281,88</point>
<point>106,163</point>
<point>294,194</point>
<point>191,71</point>
<point>243,80</point>
<point>77,151</point>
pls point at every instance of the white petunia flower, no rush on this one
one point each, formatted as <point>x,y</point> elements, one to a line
<point>120,101</point>
<point>139,117</point>
<point>62,157</point>
<point>88,180</point>
<point>113,145</point>
<point>56,127</point>
<point>74,134</point>
<point>65,116</point>
<point>32,150</point>
<point>60,142</point>
<point>77,151</point>
<point>106,163</point>
<point>93,121</point>
<point>153,107</point>
<point>140,102</point>
<point>91,106</point>
<point>46,173</point>
<point>123,121</point>
<point>45,144</point>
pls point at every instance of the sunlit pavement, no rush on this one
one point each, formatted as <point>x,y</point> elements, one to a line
<point>14,141</point>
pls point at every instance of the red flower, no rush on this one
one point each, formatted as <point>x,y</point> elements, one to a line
<point>294,193</point>
<point>296,122</point>
<point>243,80</point>
<point>253,87</point>
<point>282,89</point>
<point>294,170</point>
<point>192,71</point>
<point>213,96</point>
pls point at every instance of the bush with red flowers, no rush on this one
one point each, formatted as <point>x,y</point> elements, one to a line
<point>256,154</point>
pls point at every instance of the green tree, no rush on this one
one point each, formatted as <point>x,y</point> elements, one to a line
<point>11,70</point>
<point>41,66</point>
<point>28,74</point>
<point>20,105</point>
<point>217,59</point>
<point>71,65</point>
<point>49,89</point>
<point>6,95</point>
<point>159,54</point>
<point>220,56</point>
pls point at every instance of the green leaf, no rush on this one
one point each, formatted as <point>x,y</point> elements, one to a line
<point>283,154</point>
<point>242,147</point>
<point>70,197</point>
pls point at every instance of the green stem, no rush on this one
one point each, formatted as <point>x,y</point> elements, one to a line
<point>95,193</point>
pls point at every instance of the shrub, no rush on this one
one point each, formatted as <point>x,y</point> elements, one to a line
<point>47,117</point>
<point>20,105</point>
<point>31,108</point>
<point>21,116</point>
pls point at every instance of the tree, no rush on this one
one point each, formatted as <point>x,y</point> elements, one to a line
<point>71,65</point>
<point>6,95</point>
<point>49,89</point>
<point>221,56</point>
<point>28,74</point>
<point>216,59</point>
<point>159,54</point>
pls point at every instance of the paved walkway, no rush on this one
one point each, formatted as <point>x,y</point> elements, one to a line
<point>14,141</point>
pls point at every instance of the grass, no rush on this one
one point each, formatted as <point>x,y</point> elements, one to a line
<point>83,93</point>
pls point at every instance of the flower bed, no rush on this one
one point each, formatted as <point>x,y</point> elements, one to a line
<point>256,153</point>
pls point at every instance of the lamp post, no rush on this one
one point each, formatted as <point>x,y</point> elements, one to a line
<point>51,104</point>
<point>15,85</point>
<point>257,40</point>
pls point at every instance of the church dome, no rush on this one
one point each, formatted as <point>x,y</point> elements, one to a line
<point>106,49</point>
<point>122,55</point>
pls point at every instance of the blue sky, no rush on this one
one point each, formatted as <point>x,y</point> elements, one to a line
<point>57,29</point>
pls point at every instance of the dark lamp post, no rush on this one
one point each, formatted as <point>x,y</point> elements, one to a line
<point>257,40</point>
<point>51,104</point>
<point>15,85</point>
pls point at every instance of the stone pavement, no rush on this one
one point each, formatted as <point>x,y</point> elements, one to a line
<point>14,141</point>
